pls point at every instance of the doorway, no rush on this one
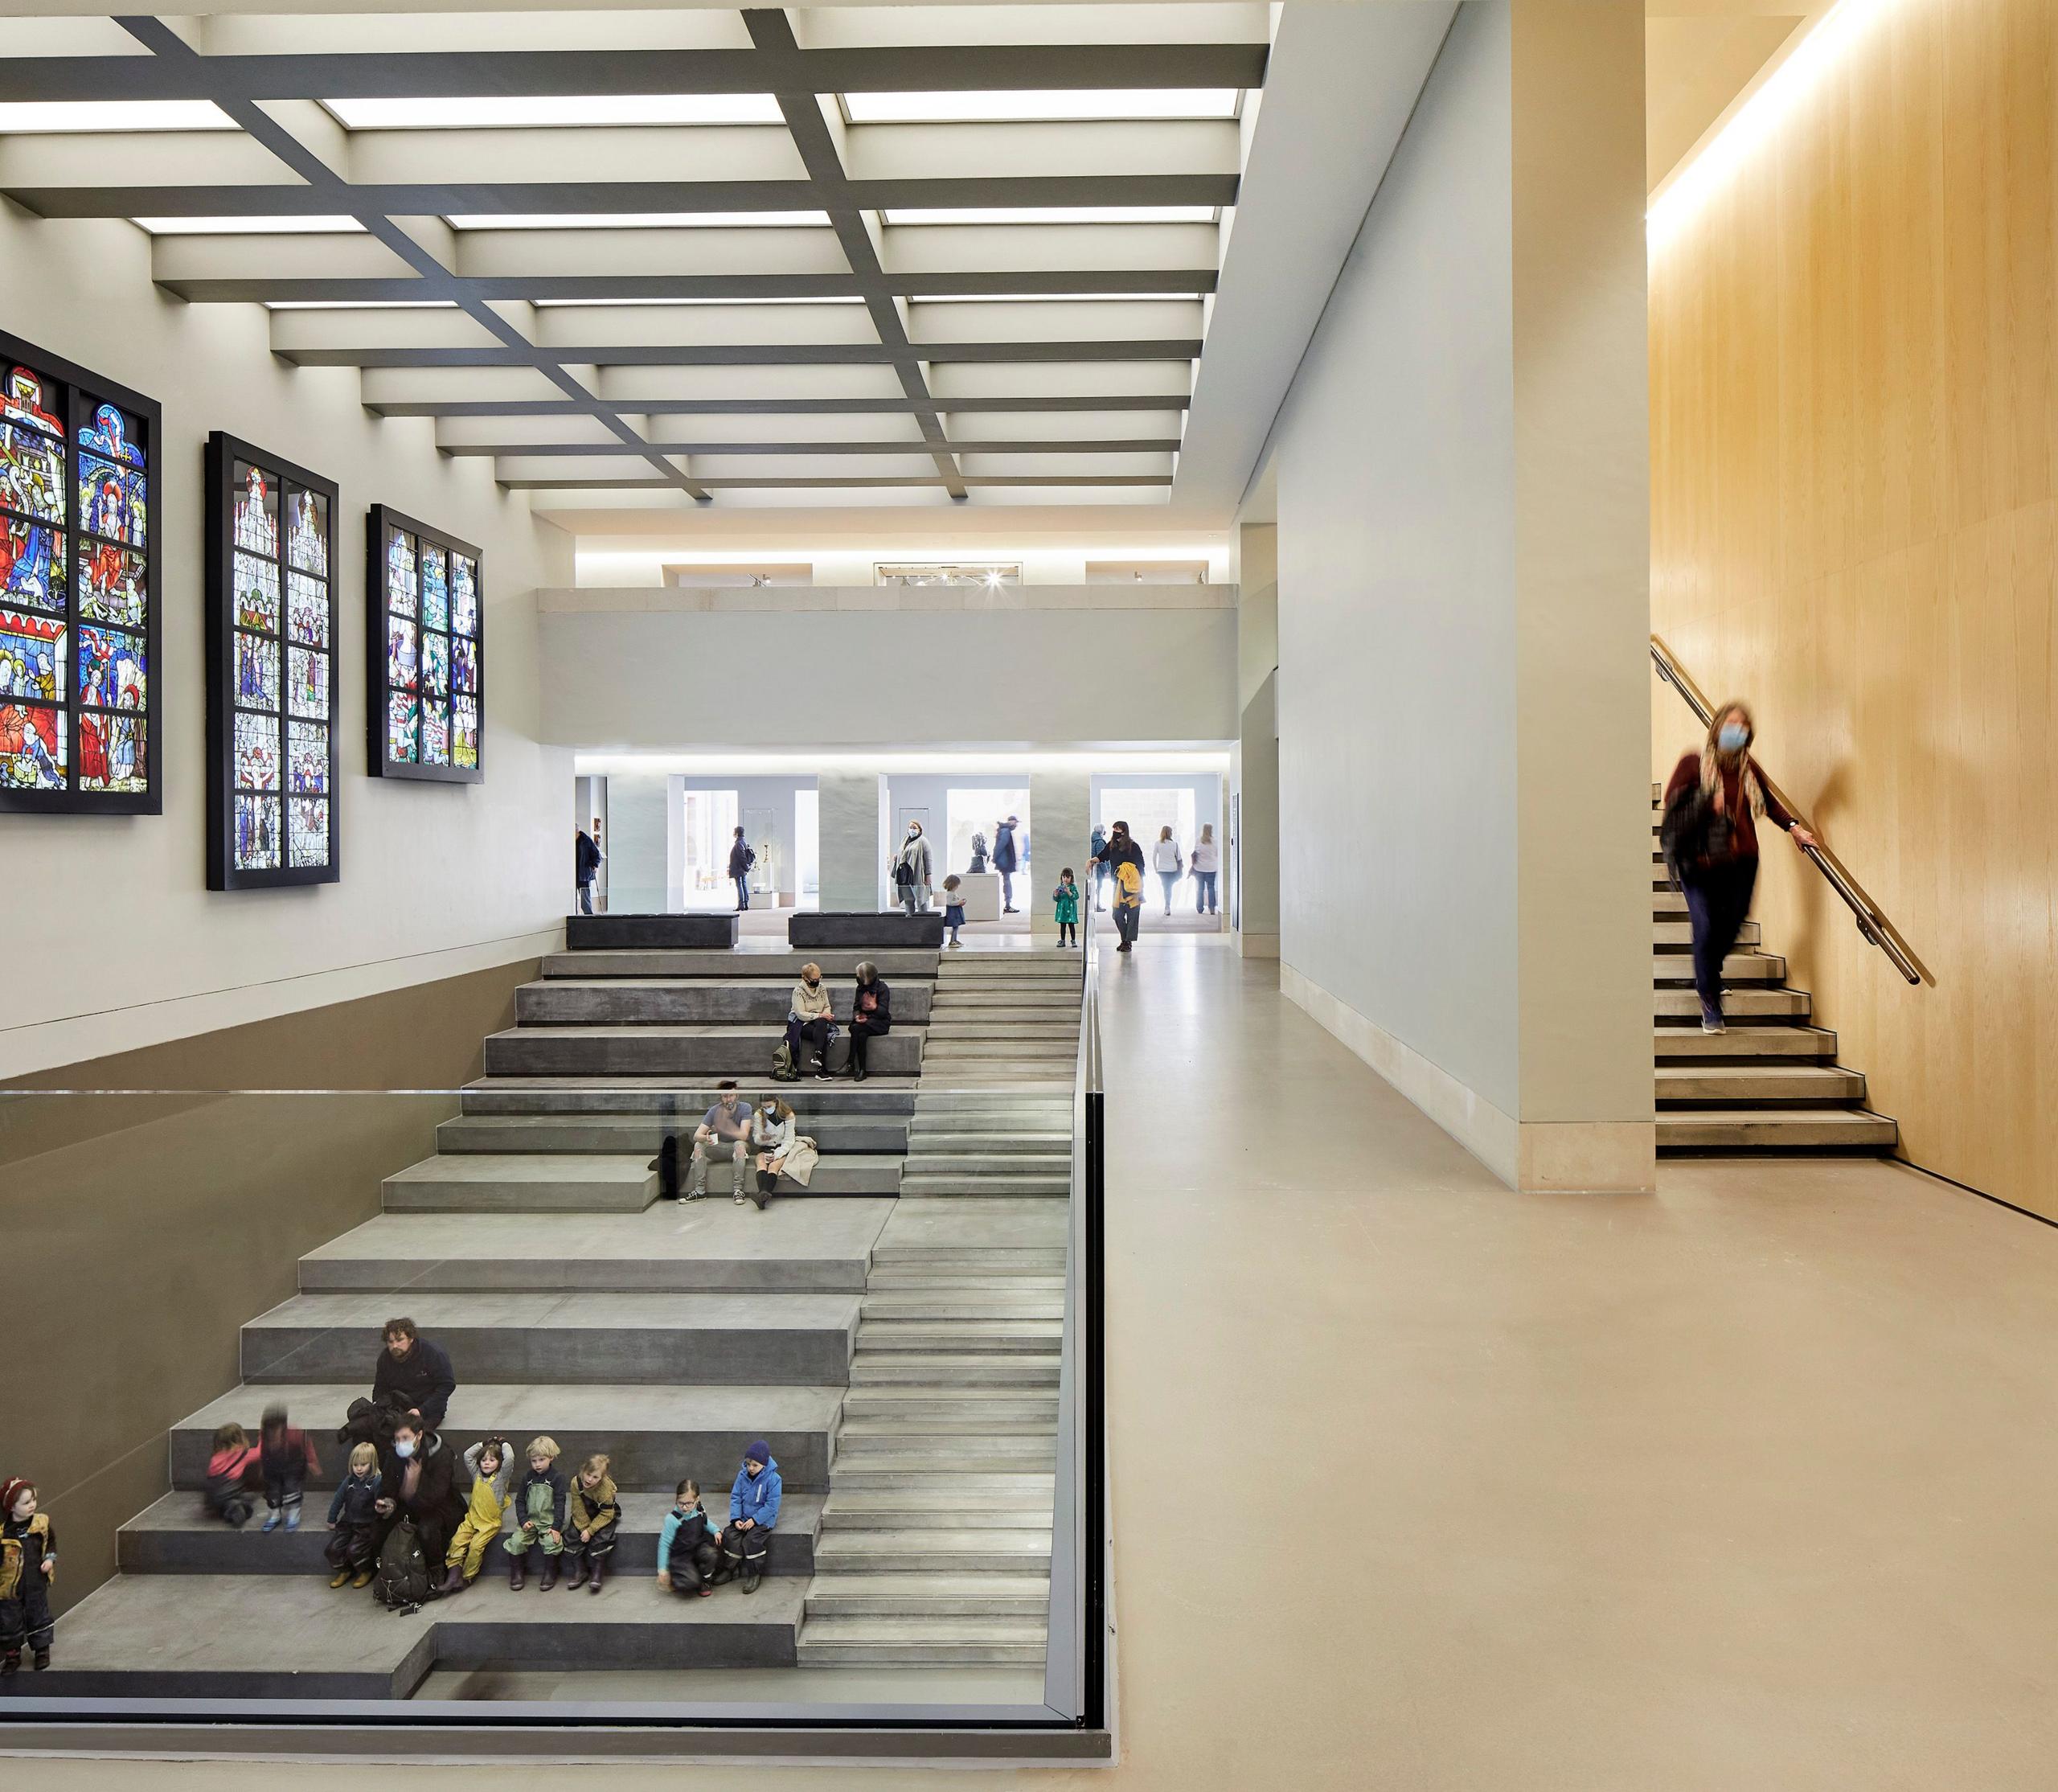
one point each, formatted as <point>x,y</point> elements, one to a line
<point>807,849</point>
<point>709,830</point>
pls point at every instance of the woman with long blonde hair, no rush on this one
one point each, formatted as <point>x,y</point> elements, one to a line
<point>1713,803</point>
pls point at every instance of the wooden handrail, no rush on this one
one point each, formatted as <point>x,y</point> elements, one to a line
<point>1872,921</point>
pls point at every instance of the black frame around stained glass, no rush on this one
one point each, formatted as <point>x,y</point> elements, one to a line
<point>72,396</point>
<point>232,636</point>
<point>383,659</point>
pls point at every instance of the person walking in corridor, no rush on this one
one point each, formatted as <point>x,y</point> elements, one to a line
<point>1169,864</point>
<point>1712,804</point>
<point>912,871</point>
<point>1121,852</point>
<point>1207,862</point>
<point>1100,844</point>
<point>1007,860</point>
<point>585,867</point>
<point>741,859</point>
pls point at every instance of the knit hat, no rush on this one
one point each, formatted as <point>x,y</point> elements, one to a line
<point>758,1451</point>
<point>11,1490</point>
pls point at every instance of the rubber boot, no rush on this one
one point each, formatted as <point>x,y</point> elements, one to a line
<point>751,1572</point>
<point>577,1578</point>
<point>453,1580</point>
<point>599,1574</point>
<point>549,1575</point>
<point>517,1573</point>
<point>342,1577</point>
<point>42,1659</point>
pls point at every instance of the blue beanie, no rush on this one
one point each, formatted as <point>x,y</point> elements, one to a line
<point>757,1450</point>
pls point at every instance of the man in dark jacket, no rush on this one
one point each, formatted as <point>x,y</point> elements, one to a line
<point>1006,860</point>
<point>418,1481</point>
<point>586,864</point>
<point>413,1376</point>
<point>741,859</point>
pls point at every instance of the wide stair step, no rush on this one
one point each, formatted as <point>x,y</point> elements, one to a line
<point>1817,1085</point>
<point>1671,1045</point>
<point>924,1549</point>
<point>644,1135</point>
<point>1683,1004</point>
<point>929,1595</point>
<point>1774,1129</point>
<point>541,1182</point>
<point>888,1343</point>
<point>921,1640</point>
<point>1739,967</point>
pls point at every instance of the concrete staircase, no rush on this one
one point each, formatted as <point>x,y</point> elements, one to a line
<point>1771,1082</point>
<point>533,1248</point>
<point>936,1538</point>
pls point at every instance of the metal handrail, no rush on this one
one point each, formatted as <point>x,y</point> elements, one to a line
<point>1872,921</point>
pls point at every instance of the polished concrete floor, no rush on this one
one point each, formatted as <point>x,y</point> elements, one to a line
<point>1422,1484</point>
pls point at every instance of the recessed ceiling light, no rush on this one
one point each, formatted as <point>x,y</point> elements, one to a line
<point>1057,215</point>
<point>114,115</point>
<point>1016,106</point>
<point>559,304</point>
<point>494,113</point>
<point>638,220</point>
<point>297,225</point>
<point>361,304</point>
<point>1048,298</point>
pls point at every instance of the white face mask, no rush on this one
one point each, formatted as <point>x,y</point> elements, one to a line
<point>403,1449</point>
<point>771,1107</point>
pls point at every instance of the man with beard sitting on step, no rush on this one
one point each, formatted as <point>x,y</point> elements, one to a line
<point>413,1376</point>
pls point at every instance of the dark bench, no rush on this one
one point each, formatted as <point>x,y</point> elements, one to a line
<point>649,932</point>
<point>810,931</point>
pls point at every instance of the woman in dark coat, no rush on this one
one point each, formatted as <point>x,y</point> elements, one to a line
<point>418,1480</point>
<point>872,1013</point>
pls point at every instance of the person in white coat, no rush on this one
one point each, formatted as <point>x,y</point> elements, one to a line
<point>1166,860</point>
<point>912,869</point>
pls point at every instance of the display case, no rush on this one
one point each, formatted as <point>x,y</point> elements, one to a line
<point>80,721</point>
<point>273,716</point>
<point>425,652</point>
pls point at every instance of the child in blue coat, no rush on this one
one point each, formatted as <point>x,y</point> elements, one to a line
<point>753,1513</point>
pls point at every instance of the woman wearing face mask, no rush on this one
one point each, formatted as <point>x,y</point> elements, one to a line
<point>910,871</point>
<point>1718,874</point>
<point>810,1021</point>
<point>771,1139</point>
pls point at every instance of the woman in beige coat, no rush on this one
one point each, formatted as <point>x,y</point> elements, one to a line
<point>810,1021</point>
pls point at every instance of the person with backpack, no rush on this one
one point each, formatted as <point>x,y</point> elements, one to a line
<point>420,1508</point>
<point>911,871</point>
<point>1709,834</point>
<point>1100,844</point>
<point>1122,855</point>
<point>1007,860</point>
<point>741,859</point>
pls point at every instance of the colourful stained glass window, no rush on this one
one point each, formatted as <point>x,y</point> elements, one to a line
<point>465,731</point>
<point>435,587</point>
<point>77,631</point>
<point>402,727</point>
<point>273,671</point>
<point>464,594</point>
<point>426,718</point>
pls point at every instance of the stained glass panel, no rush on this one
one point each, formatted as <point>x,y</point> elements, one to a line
<point>254,525</point>
<point>403,726</point>
<point>465,731</point>
<point>256,833</point>
<point>114,500</point>
<point>256,594</point>
<point>112,675</point>
<point>464,664</point>
<point>32,473</point>
<point>308,818</point>
<point>257,752</point>
<point>32,563</point>
<point>114,586</point>
<point>112,436</point>
<point>401,649</point>
<point>32,747</point>
<point>436,666</point>
<point>307,532</point>
<point>27,400</point>
<point>307,757</point>
<point>464,595</point>
<point>400,591</point>
<point>31,656</point>
<point>111,755</point>
<point>435,587</point>
<point>256,672</point>
<point>307,610</point>
<point>435,732</point>
<point>307,683</point>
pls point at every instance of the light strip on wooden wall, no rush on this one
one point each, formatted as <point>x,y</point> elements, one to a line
<point>1815,50</point>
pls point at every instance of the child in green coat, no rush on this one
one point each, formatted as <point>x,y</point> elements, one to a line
<point>1066,896</point>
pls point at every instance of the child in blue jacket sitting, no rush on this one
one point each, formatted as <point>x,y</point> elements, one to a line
<point>753,1513</point>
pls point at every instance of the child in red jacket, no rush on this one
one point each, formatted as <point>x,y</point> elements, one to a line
<point>287,1455</point>
<point>229,1470</point>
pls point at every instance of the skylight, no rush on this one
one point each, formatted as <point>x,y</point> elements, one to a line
<point>1078,105</point>
<point>560,304</point>
<point>503,112</point>
<point>1049,298</point>
<point>298,226</point>
<point>361,304</point>
<point>636,220</point>
<point>1058,215</point>
<point>114,115</point>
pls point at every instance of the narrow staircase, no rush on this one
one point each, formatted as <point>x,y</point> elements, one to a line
<point>936,1538</point>
<point>1771,1082</point>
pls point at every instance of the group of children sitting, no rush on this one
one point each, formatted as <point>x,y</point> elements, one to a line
<point>576,1517</point>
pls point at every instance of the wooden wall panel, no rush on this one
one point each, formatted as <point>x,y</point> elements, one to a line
<point>1854,355</point>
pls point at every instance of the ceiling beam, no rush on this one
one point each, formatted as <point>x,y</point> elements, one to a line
<point>386,74</point>
<point>1143,445</point>
<point>902,482</point>
<point>258,284</point>
<point>393,407</point>
<point>901,355</point>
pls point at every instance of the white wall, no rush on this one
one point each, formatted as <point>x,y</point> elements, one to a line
<point>620,678</point>
<point>132,947</point>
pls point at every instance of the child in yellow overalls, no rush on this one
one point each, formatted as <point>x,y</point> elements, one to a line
<point>492,1464</point>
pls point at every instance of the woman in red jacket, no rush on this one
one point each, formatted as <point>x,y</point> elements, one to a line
<point>1718,881</point>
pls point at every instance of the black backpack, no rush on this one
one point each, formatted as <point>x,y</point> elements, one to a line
<point>749,858</point>
<point>665,1163</point>
<point>368,1422</point>
<point>1690,833</point>
<point>401,1581</point>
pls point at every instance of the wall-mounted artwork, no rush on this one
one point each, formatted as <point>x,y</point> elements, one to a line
<point>79,720</point>
<point>272,716</point>
<point>427,651</point>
